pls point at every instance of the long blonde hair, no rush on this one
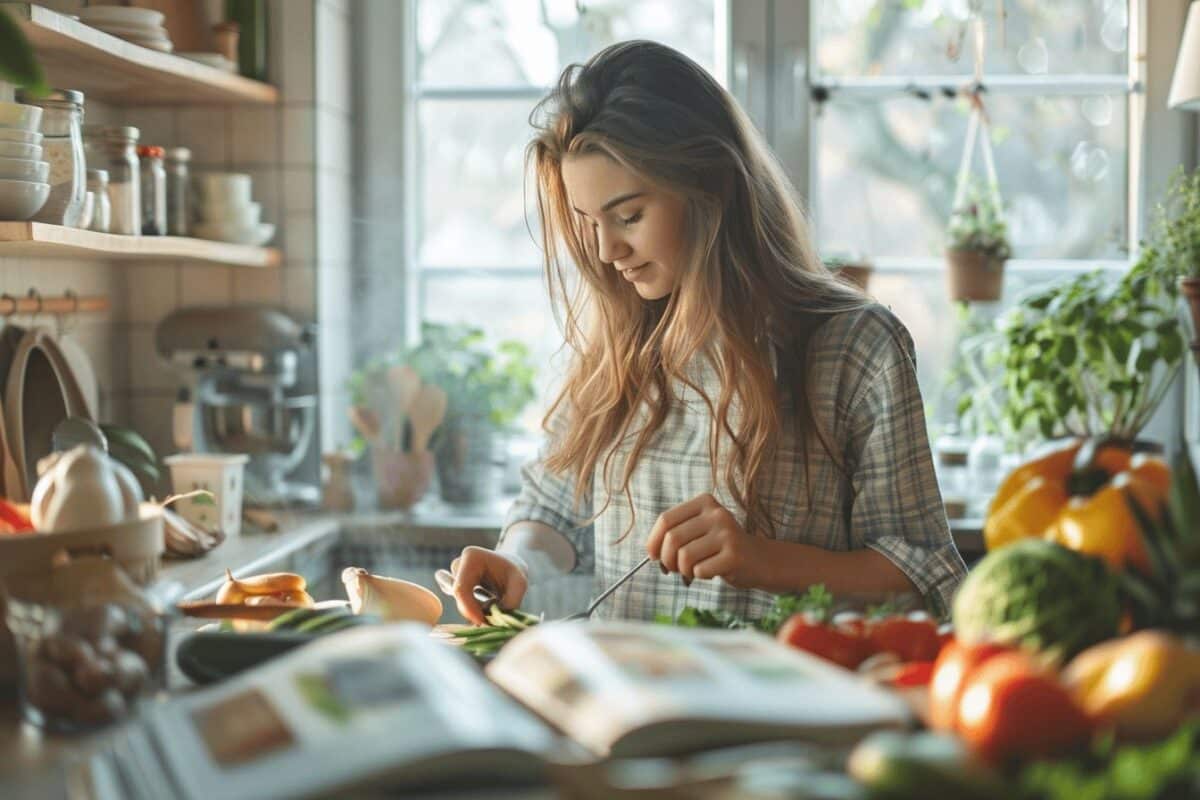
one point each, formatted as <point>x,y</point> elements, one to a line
<point>750,282</point>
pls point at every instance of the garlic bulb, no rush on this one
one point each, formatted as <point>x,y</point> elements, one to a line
<point>84,488</point>
<point>392,599</point>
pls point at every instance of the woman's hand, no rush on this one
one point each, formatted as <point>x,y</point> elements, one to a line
<point>499,572</point>
<point>702,539</point>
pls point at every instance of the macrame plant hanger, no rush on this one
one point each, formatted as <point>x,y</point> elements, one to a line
<point>974,275</point>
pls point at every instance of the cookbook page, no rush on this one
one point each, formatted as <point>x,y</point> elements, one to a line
<point>334,713</point>
<point>600,682</point>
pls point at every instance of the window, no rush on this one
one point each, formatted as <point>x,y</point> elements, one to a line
<point>855,96</point>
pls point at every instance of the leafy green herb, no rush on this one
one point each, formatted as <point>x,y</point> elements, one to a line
<point>692,617</point>
<point>17,61</point>
<point>1166,769</point>
<point>817,602</point>
<point>978,224</point>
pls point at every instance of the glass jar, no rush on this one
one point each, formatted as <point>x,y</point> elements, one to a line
<point>97,183</point>
<point>95,148</point>
<point>178,199</point>
<point>951,453</point>
<point>90,644</point>
<point>62,147</point>
<point>124,180</point>
<point>154,190</point>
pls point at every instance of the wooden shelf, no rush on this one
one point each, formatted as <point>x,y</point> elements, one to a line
<point>39,240</point>
<point>78,56</point>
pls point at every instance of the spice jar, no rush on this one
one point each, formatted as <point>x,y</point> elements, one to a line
<point>124,180</point>
<point>178,195</point>
<point>97,183</point>
<point>154,190</point>
<point>62,146</point>
<point>90,644</point>
<point>954,480</point>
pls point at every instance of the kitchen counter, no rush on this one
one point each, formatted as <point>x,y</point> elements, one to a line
<point>419,541</point>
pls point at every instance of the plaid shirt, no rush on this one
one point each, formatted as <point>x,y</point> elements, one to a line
<point>864,394</point>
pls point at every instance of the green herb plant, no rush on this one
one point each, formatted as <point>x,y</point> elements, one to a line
<point>480,381</point>
<point>1176,225</point>
<point>1093,355</point>
<point>18,65</point>
<point>978,225</point>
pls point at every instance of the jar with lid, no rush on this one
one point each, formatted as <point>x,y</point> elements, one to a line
<point>97,184</point>
<point>124,180</point>
<point>178,200</point>
<point>95,148</point>
<point>154,190</point>
<point>62,147</point>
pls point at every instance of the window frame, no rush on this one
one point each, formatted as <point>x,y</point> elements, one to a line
<point>763,54</point>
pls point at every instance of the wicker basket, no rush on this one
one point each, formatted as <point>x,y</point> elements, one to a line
<point>136,545</point>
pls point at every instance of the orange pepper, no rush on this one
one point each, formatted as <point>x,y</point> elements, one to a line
<point>1046,498</point>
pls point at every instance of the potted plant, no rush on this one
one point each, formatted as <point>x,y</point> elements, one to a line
<point>17,62</point>
<point>977,247</point>
<point>1093,355</point>
<point>486,389</point>
<point>1177,232</point>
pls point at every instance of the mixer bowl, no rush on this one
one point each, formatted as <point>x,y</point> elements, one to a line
<point>274,433</point>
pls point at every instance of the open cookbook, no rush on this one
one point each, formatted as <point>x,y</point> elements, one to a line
<point>391,707</point>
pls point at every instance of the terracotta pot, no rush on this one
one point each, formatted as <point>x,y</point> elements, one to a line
<point>972,276</point>
<point>1190,289</point>
<point>401,477</point>
<point>857,274</point>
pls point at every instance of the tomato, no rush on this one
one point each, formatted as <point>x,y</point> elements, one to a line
<point>910,640</point>
<point>821,640</point>
<point>955,664</point>
<point>1011,708</point>
<point>914,673</point>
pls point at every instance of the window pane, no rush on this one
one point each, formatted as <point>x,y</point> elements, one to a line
<point>472,166</point>
<point>505,308</point>
<point>886,172</point>
<point>929,37</point>
<point>526,42</point>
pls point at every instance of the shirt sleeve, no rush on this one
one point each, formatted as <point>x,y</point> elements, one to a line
<point>896,506</point>
<point>549,497</point>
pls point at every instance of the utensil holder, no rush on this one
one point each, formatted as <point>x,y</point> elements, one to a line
<point>401,477</point>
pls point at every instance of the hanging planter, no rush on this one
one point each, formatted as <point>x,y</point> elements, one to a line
<point>977,245</point>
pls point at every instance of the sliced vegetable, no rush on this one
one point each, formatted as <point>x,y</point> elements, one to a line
<point>843,649</point>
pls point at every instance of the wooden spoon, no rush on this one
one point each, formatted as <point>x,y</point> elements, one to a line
<point>404,383</point>
<point>427,412</point>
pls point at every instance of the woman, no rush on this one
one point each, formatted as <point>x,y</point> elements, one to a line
<point>730,409</point>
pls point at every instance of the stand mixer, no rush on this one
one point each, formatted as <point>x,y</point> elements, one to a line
<point>250,375</point>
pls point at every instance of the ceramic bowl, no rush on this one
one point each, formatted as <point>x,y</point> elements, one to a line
<point>224,188</point>
<point>29,152</point>
<point>20,169</point>
<point>121,15</point>
<point>20,200</point>
<point>248,215</point>
<point>20,137</point>
<point>258,235</point>
<point>20,116</point>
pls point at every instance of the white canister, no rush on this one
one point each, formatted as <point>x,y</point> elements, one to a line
<point>221,474</point>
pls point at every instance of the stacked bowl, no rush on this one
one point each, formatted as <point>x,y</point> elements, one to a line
<point>142,26</point>
<point>225,211</point>
<point>23,172</point>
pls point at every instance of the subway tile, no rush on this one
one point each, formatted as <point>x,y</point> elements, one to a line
<point>298,187</point>
<point>299,136</point>
<point>206,132</point>
<point>150,415</point>
<point>205,286</point>
<point>300,292</point>
<point>299,238</point>
<point>255,136</point>
<point>152,289</point>
<point>298,45</point>
<point>258,287</point>
<point>155,125</point>
<point>147,372</point>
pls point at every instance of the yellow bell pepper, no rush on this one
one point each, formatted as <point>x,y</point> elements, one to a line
<point>1082,507</point>
<point>1144,685</point>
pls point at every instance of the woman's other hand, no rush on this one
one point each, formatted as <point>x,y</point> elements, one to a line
<point>702,539</point>
<point>499,573</point>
